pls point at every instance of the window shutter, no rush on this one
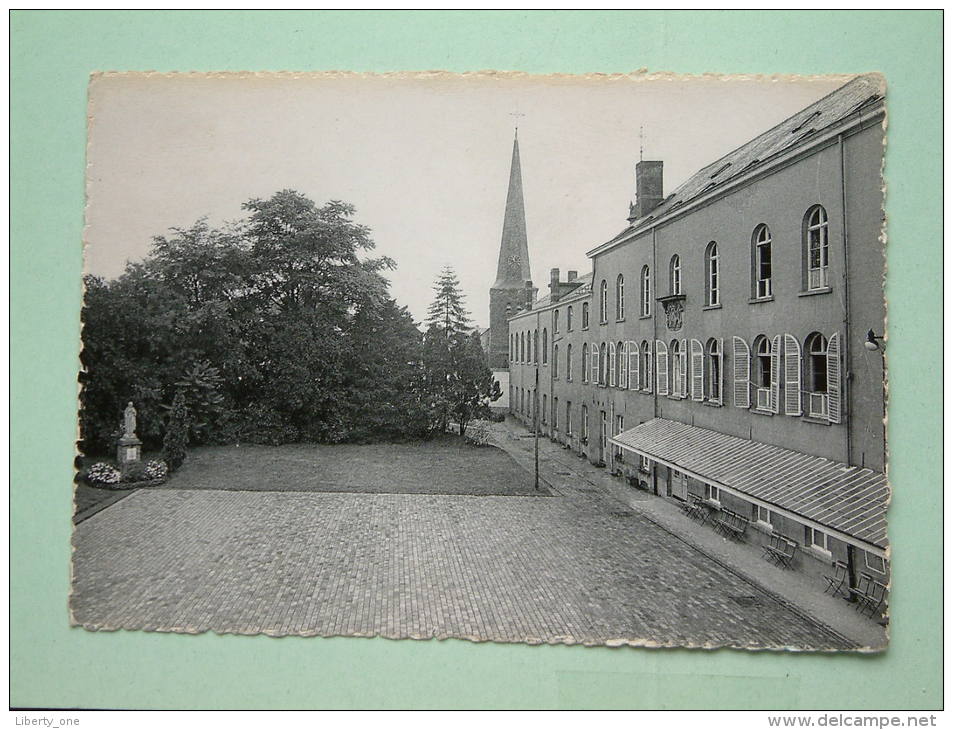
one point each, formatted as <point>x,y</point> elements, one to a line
<point>621,365</point>
<point>834,379</point>
<point>721,372</point>
<point>683,370</point>
<point>741,372</point>
<point>792,376</point>
<point>594,363</point>
<point>610,354</point>
<point>774,403</point>
<point>698,370</point>
<point>661,368</point>
<point>648,368</point>
<point>633,366</point>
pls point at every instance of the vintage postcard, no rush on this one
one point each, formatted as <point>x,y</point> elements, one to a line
<point>544,359</point>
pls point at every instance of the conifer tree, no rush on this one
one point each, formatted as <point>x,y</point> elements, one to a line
<point>446,312</point>
<point>459,383</point>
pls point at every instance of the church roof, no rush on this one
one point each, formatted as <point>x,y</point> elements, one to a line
<point>802,128</point>
<point>513,270</point>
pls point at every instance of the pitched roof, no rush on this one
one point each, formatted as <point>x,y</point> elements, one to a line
<point>847,499</point>
<point>857,94</point>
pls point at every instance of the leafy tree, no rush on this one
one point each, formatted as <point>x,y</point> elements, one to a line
<point>277,328</point>
<point>386,376</point>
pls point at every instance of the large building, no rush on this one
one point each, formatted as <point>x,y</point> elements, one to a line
<point>727,347</point>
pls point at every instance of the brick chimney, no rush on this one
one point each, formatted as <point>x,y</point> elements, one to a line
<point>554,285</point>
<point>572,275</point>
<point>648,188</point>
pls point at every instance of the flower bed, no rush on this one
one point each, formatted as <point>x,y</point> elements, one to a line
<point>106,476</point>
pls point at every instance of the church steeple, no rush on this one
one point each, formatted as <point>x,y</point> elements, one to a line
<point>513,288</point>
<point>513,270</point>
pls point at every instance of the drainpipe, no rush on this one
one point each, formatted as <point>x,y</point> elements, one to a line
<point>653,282</point>
<point>849,375</point>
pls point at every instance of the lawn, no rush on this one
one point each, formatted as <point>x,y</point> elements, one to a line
<point>445,465</point>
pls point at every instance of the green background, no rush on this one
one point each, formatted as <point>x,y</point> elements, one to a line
<point>52,54</point>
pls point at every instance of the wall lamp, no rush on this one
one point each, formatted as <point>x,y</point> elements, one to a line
<point>872,342</point>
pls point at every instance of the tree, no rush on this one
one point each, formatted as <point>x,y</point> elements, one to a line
<point>458,382</point>
<point>277,328</point>
<point>446,312</point>
<point>175,443</point>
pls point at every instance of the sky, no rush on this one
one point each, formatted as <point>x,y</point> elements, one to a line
<point>424,158</point>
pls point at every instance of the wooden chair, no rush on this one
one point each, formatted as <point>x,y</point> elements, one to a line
<point>873,600</point>
<point>862,588</point>
<point>837,583</point>
<point>735,526</point>
<point>781,551</point>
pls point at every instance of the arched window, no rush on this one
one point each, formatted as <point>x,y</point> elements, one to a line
<point>675,275</point>
<point>761,262</point>
<point>603,302</point>
<point>568,362</point>
<point>555,321</point>
<point>585,315</point>
<point>585,362</point>
<point>569,318</point>
<point>603,367</point>
<point>711,275</point>
<point>620,297</point>
<point>816,250</point>
<point>645,294</point>
<point>545,346</point>
<point>555,361</point>
<point>621,364</point>
<point>815,376</point>
<point>713,369</point>
<point>536,346</point>
<point>645,372</point>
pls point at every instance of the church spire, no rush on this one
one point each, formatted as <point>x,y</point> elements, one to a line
<point>513,270</point>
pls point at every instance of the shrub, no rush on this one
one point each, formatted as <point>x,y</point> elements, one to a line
<point>135,472</point>
<point>176,440</point>
<point>156,469</point>
<point>103,474</point>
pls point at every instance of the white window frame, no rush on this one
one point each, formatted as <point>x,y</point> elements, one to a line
<point>620,298</point>
<point>712,494</point>
<point>604,302</point>
<point>675,275</point>
<point>646,292</point>
<point>712,296</point>
<point>762,254</point>
<point>818,275</point>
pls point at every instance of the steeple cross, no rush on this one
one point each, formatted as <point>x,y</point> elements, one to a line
<point>516,116</point>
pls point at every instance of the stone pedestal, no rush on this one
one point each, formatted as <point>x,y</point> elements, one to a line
<point>128,451</point>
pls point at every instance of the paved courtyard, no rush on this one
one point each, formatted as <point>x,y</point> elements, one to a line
<point>574,568</point>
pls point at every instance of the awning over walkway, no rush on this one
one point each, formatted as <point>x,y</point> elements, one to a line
<point>847,499</point>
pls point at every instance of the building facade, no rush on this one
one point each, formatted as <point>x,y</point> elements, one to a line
<point>727,346</point>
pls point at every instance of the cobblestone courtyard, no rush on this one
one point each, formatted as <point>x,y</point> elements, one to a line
<point>569,568</point>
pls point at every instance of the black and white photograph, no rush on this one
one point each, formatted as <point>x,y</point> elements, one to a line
<point>499,357</point>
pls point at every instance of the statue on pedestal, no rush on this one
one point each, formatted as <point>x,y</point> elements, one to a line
<point>129,449</point>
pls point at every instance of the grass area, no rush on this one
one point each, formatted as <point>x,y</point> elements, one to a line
<point>445,465</point>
